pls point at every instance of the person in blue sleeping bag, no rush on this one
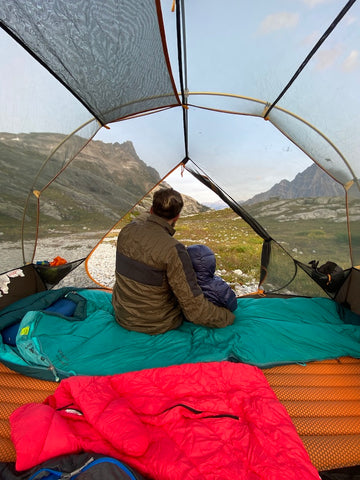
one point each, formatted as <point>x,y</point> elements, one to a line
<point>214,287</point>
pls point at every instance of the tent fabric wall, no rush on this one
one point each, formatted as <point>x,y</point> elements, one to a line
<point>19,283</point>
<point>119,60</point>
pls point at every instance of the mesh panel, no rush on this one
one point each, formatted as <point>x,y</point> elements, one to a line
<point>329,276</point>
<point>307,228</point>
<point>268,36</point>
<point>52,275</point>
<point>283,276</point>
<point>317,146</point>
<point>78,204</point>
<point>130,74</point>
<point>354,217</point>
<point>111,56</point>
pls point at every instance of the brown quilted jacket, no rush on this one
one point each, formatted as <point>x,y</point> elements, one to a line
<point>156,285</point>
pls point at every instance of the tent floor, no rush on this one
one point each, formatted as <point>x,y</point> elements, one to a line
<point>322,398</point>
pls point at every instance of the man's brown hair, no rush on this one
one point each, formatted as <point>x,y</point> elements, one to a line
<point>167,203</point>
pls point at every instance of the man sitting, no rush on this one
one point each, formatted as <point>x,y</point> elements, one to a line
<point>156,286</point>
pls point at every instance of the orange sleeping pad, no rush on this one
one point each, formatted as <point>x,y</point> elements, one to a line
<point>322,398</point>
<point>16,390</point>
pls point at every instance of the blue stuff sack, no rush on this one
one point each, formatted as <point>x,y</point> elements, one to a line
<point>63,306</point>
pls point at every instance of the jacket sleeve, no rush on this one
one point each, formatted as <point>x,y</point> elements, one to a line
<point>226,294</point>
<point>182,280</point>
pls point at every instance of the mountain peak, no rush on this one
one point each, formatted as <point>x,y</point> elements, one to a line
<point>312,182</point>
<point>102,183</point>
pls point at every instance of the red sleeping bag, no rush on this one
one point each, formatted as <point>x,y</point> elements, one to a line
<point>208,421</point>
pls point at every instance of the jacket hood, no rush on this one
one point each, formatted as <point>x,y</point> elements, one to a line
<point>203,260</point>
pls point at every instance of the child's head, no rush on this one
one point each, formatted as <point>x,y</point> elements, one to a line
<point>202,258</point>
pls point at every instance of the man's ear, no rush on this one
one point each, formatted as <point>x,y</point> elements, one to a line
<point>151,210</point>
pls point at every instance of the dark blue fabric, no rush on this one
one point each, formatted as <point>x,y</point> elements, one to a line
<point>214,287</point>
<point>52,301</point>
<point>129,474</point>
<point>79,466</point>
<point>9,334</point>
<point>63,306</point>
<point>46,474</point>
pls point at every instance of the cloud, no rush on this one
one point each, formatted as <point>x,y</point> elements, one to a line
<point>352,61</point>
<point>278,21</point>
<point>311,39</point>
<point>315,3</point>
<point>188,185</point>
<point>326,58</point>
<point>350,19</point>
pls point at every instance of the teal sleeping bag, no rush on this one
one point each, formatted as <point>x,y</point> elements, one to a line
<point>266,332</point>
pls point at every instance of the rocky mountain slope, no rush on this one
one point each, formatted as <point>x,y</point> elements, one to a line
<point>312,195</point>
<point>299,209</point>
<point>100,185</point>
<point>312,182</point>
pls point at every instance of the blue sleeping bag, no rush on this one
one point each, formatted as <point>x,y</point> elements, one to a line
<point>266,332</point>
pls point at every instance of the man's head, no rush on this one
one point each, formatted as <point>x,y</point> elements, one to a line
<point>167,203</point>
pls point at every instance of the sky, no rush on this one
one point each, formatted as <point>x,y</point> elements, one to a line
<point>277,35</point>
<point>185,183</point>
<point>260,143</point>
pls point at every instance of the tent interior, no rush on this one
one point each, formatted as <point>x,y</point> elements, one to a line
<point>220,100</point>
